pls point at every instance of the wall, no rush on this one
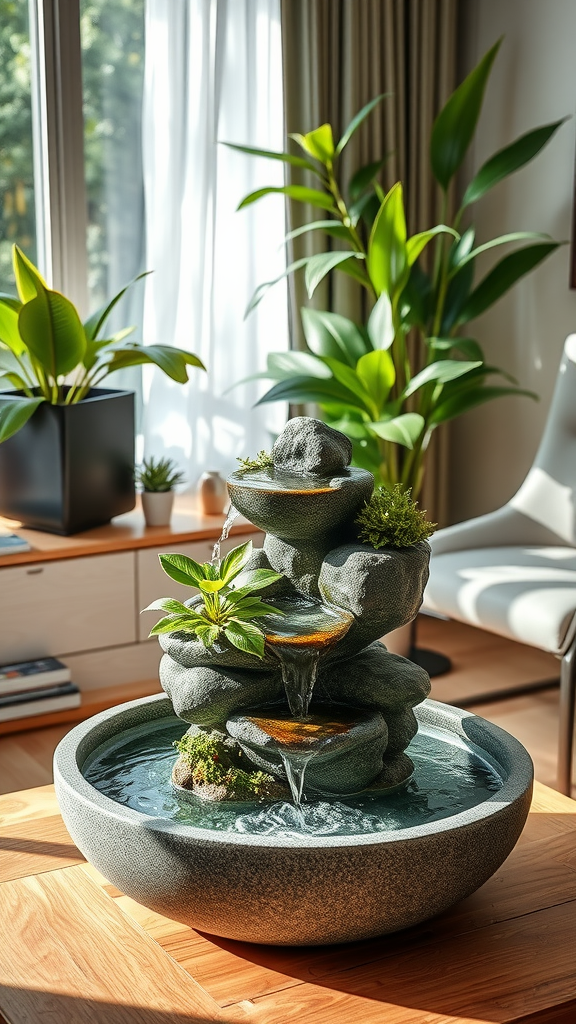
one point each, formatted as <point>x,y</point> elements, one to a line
<point>533,82</point>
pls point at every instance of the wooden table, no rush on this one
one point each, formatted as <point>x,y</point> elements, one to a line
<point>73,949</point>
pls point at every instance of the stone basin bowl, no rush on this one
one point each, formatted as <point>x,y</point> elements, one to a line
<point>300,510</point>
<point>301,891</point>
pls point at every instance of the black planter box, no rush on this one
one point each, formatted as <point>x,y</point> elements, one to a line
<point>71,467</point>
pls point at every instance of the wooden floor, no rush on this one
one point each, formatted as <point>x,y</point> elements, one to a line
<point>481,663</point>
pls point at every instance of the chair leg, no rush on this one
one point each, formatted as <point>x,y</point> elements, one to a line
<point>567,712</point>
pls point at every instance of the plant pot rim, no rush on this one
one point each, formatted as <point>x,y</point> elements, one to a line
<point>94,395</point>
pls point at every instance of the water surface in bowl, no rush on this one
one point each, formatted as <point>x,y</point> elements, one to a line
<point>134,769</point>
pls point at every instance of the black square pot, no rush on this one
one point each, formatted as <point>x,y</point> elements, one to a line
<point>71,467</point>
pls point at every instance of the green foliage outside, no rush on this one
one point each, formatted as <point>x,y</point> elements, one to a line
<point>392,519</point>
<point>158,475</point>
<point>212,765</point>
<point>366,378</point>
<point>228,606</point>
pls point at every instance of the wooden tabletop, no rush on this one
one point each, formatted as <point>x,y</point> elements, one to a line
<point>74,949</point>
<point>124,533</point>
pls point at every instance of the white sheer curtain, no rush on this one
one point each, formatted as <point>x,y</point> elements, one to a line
<point>213,73</point>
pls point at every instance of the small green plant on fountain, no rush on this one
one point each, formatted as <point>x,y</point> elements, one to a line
<point>225,610</point>
<point>207,761</point>
<point>263,460</point>
<point>158,475</point>
<point>392,519</point>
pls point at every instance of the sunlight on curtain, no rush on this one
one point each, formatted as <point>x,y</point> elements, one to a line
<point>213,73</point>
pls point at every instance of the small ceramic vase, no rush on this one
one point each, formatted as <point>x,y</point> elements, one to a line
<point>157,507</point>
<point>212,493</point>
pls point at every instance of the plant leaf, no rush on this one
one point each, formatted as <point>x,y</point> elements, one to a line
<point>320,265</point>
<point>509,160</point>
<point>416,244</point>
<point>331,227</point>
<point>381,324</point>
<point>174,624</point>
<point>351,379</point>
<point>363,177</point>
<point>29,280</point>
<point>261,290</point>
<point>377,373</point>
<point>456,123</point>
<point>299,192</point>
<point>270,154</point>
<point>94,324</point>
<point>318,143</point>
<point>15,413</point>
<point>211,586</point>
<point>285,365</point>
<point>505,274</point>
<point>183,569</point>
<point>234,561</point>
<point>514,236</point>
<point>207,633</point>
<point>469,399</point>
<point>50,327</point>
<point>456,297</point>
<point>467,346</point>
<point>169,604</point>
<point>246,637</point>
<point>309,389</point>
<point>460,249</point>
<point>9,332</point>
<point>404,429</point>
<point>441,372</point>
<point>251,580</point>
<point>387,259</point>
<point>172,361</point>
<point>330,334</point>
<point>358,119</point>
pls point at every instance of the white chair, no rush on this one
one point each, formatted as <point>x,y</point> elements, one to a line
<point>513,571</point>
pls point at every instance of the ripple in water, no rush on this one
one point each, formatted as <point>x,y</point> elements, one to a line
<point>134,769</point>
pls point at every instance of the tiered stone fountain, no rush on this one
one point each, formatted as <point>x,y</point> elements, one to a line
<point>363,827</point>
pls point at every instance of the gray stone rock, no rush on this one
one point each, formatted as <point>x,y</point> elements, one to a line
<point>299,560</point>
<point>402,728</point>
<point>374,679</point>
<point>345,747</point>
<point>308,447</point>
<point>208,696</point>
<point>189,652</point>
<point>383,589</point>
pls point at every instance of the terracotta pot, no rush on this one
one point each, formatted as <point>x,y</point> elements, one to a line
<point>212,493</point>
<point>157,507</point>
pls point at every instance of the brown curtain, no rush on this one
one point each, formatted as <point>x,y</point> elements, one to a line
<point>338,55</point>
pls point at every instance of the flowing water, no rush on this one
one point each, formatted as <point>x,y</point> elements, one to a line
<point>276,480</point>
<point>233,514</point>
<point>134,769</point>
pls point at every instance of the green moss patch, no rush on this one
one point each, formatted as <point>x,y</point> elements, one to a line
<point>263,460</point>
<point>213,764</point>
<point>392,519</point>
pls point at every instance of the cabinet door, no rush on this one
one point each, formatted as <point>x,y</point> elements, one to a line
<point>60,607</point>
<point>153,581</point>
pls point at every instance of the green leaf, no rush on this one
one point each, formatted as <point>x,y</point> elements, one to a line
<point>456,123</point>
<point>9,332</point>
<point>416,299</point>
<point>51,329</point>
<point>29,280</point>
<point>509,160</point>
<point>251,580</point>
<point>207,633</point>
<point>319,143</point>
<point>252,608</point>
<point>175,624</point>
<point>387,259</point>
<point>358,119</point>
<point>505,274</point>
<point>514,236</point>
<point>172,361</point>
<point>405,429</point>
<point>363,177</point>
<point>441,372</point>
<point>211,586</point>
<point>285,365</point>
<point>246,637</point>
<point>263,288</point>
<point>416,244</point>
<point>269,154</point>
<point>459,250</point>
<point>377,373</point>
<point>381,324</point>
<point>169,604</point>
<point>309,389</point>
<point>330,227</point>
<point>234,561</point>
<point>183,569</point>
<point>320,265</point>
<point>10,301</point>
<point>16,381</point>
<point>15,413</point>
<point>350,379</point>
<point>330,334</point>
<point>456,297</point>
<point>94,324</point>
<point>467,346</point>
<point>460,403</point>
<point>298,192</point>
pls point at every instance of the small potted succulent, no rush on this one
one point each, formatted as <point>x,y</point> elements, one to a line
<point>158,478</point>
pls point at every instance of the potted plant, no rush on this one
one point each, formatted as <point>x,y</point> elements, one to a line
<point>67,444</point>
<point>158,478</point>
<point>387,395</point>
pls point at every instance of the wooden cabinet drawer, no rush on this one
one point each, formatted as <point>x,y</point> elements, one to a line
<point>60,607</point>
<point>153,581</point>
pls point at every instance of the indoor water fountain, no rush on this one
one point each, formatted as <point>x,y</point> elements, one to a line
<point>317,796</point>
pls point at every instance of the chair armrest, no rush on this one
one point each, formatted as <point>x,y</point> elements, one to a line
<point>506,526</point>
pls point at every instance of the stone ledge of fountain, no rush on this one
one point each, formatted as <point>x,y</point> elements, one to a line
<point>302,889</point>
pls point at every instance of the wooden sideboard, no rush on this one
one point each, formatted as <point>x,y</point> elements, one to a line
<point>79,598</point>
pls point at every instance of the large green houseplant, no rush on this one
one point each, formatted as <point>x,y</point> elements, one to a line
<point>387,395</point>
<point>67,457</point>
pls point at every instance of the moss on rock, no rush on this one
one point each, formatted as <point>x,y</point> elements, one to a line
<point>210,767</point>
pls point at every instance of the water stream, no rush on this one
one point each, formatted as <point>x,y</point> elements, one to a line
<point>295,768</point>
<point>233,514</point>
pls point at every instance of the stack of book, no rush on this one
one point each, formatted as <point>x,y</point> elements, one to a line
<point>36,688</point>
